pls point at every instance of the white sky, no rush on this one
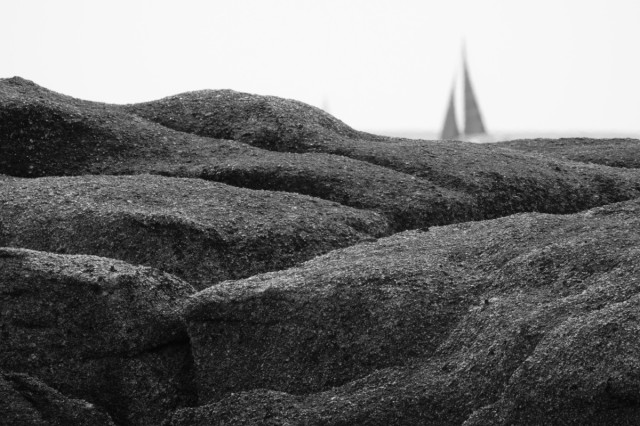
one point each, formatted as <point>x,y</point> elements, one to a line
<point>545,65</point>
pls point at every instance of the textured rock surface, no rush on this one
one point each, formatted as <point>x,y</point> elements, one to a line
<point>25,401</point>
<point>586,371</point>
<point>610,152</point>
<point>203,232</point>
<point>261,407</point>
<point>97,329</point>
<point>268,122</point>
<point>533,320</point>
<point>333,319</point>
<point>500,182</point>
<point>48,134</point>
<point>527,319</point>
<point>415,184</point>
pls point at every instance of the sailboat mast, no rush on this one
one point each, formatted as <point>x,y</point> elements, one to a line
<point>472,119</point>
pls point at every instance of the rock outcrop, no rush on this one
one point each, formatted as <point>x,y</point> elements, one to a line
<point>415,184</point>
<point>97,329</point>
<point>499,182</point>
<point>516,319</point>
<point>27,401</point>
<point>268,122</point>
<point>610,152</point>
<point>203,232</point>
<point>309,311</point>
<point>48,134</point>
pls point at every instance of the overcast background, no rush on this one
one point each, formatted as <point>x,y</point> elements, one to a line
<point>538,67</point>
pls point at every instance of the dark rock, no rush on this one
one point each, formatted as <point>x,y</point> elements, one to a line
<point>26,401</point>
<point>97,329</point>
<point>261,407</point>
<point>415,184</point>
<point>528,319</point>
<point>556,340</point>
<point>38,138</point>
<point>333,319</point>
<point>47,133</point>
<point>203,232</point>
<point>609,152</point>
<point>500,182</point>
<point>585,371</point>
<point>268,122</point>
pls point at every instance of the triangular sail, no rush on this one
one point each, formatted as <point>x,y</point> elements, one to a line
<point>450,128</point>
<point>472,119</point>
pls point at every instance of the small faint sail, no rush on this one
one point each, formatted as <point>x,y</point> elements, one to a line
<point>325,104</point>
<point>473,124</point>
<point>450,128</point>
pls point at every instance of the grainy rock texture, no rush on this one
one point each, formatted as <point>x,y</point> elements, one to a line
<point>48,134</point>
<point>333,319</point>
<point>586,371</point>
<point>415,184</point>
<point>203,232</point>
<point>610,152</point>
<point>97,329</point>
<point>515,319</point>
<point>500,182</point>
<point>26,401</point>
<point>527,319</point>
<point>260,407</point>
<point>268,122</point>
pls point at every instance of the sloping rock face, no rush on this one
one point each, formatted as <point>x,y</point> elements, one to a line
<point>610,152</point>
<point>519,320</point>
<point>500,182</point>
<point>97,329</point>
<point>528,319</point>
<point>27,401</point>
<point>268,122</point>
<point>203,232</point>
<point>260,407</point>
<point>47,133</point>
<point>415,184</point>
<point>38,138</point>
<point>333,319</point>
<point>584,372</point>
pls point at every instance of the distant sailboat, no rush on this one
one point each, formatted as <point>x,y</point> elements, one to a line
<point>450,128</point>
<point>325,104</point>
<point>473,124</point>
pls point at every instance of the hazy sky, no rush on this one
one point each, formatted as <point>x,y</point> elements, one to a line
<point>545,65</point>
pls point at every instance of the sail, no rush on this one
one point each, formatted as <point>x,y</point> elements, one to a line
<point>472,119</point>
<point>450,128</point>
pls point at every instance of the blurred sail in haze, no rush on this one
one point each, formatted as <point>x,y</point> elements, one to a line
<point>450,128</point>
<point>325,105</point>
<point>473,124</point>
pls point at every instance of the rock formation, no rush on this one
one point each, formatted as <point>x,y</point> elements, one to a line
<point>203,232</point>
<point>224,258</point>
<point>415,184</point>
<point>610,152</point>
<point>97,329</point>
<point>520,320</point>
<point>27,401</point>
